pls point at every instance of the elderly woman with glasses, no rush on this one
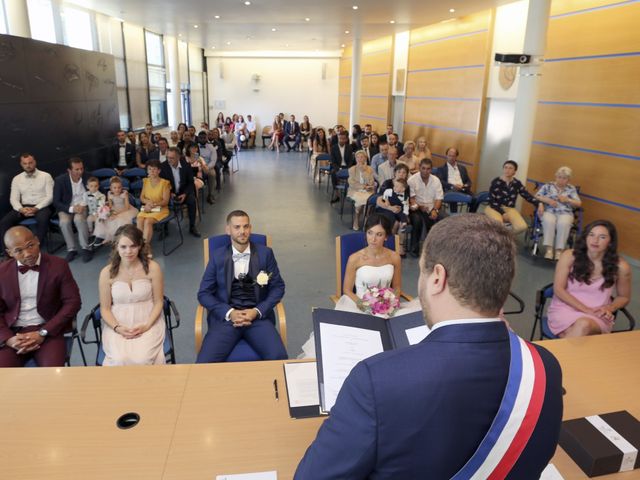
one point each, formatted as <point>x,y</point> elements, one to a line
<point>557,201</point>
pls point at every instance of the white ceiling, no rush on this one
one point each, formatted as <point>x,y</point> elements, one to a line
<point>250,27</point>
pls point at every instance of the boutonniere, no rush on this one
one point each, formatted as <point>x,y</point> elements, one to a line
<point>262,279</point>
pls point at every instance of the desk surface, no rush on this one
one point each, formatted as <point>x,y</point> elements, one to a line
<point>199,421</point>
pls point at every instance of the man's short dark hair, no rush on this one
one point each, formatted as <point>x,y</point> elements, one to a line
<point>401,166</point>
<point>73,160</point>
<point>426,161</point>
<point>26,155</point>
<point>153,162</point>
<point>478,255</point>
<point>343,132</point>
<point>451,148</point>
<point>162,139</point>
<point>237,213</point>
<point>511,162</point>
<point>175,150</point>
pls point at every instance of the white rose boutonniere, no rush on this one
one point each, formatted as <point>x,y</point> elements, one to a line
<point>262,279</point>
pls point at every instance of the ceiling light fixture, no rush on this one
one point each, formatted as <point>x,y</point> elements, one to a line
<point>347,32</point>
<point>307,19</point>
<point>355,7</point>
<point>274,29</point>
<point>392,21</point>
<point>195,26</point>
<point>179,34</point>
<point>216,17</point>
<point>452,10</point>
<point>247,3</point>
<point>342,46</point>
<point>228,43</point>
<point>213,48</point>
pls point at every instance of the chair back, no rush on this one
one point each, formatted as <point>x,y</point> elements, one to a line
<point>350,243</point>
<point>462,200</point>
<point>104,173</point>
<point>219,241</point>
<point>134,173</point>
<point>323,157</point>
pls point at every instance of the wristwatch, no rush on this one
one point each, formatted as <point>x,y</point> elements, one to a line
<point>42,332</point>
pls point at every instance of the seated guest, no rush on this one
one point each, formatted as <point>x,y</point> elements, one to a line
<point>155,196</point>
<point>422,149</point>
<point>180,176</point>
<point>409,158</point>
<point>400,171</point>
<point>186,140</point>
<point>425,202</point>
<point>220,120</point>
<point>198,167</point>
<point>120,213</point>
<point>123,153</point>
<point>334,137</point>
<point>361,186</point>
<point>148,129</point>
<point>68,200</point>
<point>95,200</point>
<point>386,169</point>
<point>446,391</point>
<point>393,203</point>
<point>131,299</point>
<point>251,132</point>
<point>374,144</point>
<point>222,156</point>
<point>174,138</point>
<point>31,196</point>
<point>210,158</point>
<point>229,139</point>
<point>364,142</point>
<point>356,133</point>
<point>305,132</point>
<point>341,158</point>
<point>131,138</point>
<point>319,144</point>
<point>146,150</point>
<point>277,134</point>
<point>557,201</point>
<point>503,193</point>
<point>240,302</point>
<point>583,284</point>
<point>367,131</point>
<point>392,140</point>
<point>454,177</point>
<point>292,134</point>
<point>192,132</point>
<point>240,131</point>
<point>39,300</point>
<point>384,138</point>
<point>163,148</point>
<point>379,158</point>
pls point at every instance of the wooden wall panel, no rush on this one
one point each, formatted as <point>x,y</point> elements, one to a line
<point>344,84</point>
<point>466,83</point>
<point>607,129</point>
<point>375,85</point>
<point>451,114</point>
<point>443,31</point>
<point>588,117</point>
<point>375,82</point>
<point>595,32</point>
<point>456,52</point>
<point>440,139</point>
<point>601,80</point>
<point>344,88</point>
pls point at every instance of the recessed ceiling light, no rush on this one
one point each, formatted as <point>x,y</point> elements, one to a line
<point>355,7</point>
<point>179,34</point>
<point>228,43</point>
<point>452,10</point>
<point>307,19</point>
<point>342,46</point>
<point>347,32</point>
<point>286,44</point>
<point>216,16</point>
<point>195,26</point>
<point>247,3</point>
<point>274,29</point>
<point>392,21</point>
<point>213,48</point>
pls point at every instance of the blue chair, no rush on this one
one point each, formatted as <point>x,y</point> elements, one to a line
<point>324,169</point>
<point>350,243</point>
<point>242,352</point>
<point>481,198</point>
<point>135,176</point>
<point>103,173</point>
<point>462,200</point>
<point>69,338</point>
<point>94,318</point>
<point>540,318</point>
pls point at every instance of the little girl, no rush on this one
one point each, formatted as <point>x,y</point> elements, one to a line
<point>122,213</point>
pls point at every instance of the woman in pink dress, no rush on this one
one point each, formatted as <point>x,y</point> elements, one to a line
<point>131,299</point>
<point>585,278</point>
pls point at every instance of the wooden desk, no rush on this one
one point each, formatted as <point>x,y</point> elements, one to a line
<point>60,423</point>
<point>601,375</point>
<point>231,422</point>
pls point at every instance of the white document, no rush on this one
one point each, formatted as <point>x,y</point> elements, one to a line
<point>250,476</point>
<point>302,384</point>
<point>417,334</point>
<point>342,348</point>
<point>551,473</point>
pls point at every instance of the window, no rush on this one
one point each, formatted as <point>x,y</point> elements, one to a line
<point>157,75</point>
<point>3,19</point>
<point>41,20</point>
<point>77,28</point>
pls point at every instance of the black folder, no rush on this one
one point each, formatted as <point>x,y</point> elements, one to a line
<point>393,333</point>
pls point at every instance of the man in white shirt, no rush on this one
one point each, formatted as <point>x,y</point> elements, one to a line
<point>68,192</point>
<point>425,202</point>
<point>31,197</point>
<point>251,130</point>
<point>163,147</point>
<point>386,169</point>
<point>379,158</point>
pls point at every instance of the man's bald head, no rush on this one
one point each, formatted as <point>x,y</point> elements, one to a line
<point>17,236</point>
<point>22,245</point>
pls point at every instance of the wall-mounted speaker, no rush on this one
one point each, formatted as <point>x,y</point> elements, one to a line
<point>324,71</point>
<point>221,71</point>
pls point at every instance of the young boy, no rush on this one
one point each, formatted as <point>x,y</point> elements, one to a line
<point>94,199</point>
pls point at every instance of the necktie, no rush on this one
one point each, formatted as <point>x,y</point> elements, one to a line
<point>240,256</point>
<point>26,268</point>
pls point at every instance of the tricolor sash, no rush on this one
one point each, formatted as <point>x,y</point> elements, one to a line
<point>516,418</point>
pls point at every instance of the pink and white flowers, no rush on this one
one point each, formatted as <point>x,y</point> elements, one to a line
<point>379,301</point>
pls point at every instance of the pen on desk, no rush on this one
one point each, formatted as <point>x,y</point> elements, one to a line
<point>275,387</point>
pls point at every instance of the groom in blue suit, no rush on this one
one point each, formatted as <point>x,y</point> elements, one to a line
<point>422,411</point>
<point>240,288</point>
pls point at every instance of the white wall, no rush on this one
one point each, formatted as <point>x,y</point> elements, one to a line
<point>288,85</point>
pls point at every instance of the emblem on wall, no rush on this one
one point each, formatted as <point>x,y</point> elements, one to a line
<point>506,76</point>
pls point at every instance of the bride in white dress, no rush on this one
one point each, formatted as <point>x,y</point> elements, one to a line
<point>373,266</point>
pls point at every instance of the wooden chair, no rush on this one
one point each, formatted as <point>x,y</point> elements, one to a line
<point>266,135</point>
<point>350,243</point>
<point>242,351</point>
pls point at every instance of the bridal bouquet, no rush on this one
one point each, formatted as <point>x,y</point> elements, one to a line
<point>380,301</point>
<point>104,212</point>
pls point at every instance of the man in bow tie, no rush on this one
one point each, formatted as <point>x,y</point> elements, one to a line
<point>39,300</point>
<point>240,288</point>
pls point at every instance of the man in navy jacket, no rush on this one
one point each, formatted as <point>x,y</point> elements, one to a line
<point>422,411</point>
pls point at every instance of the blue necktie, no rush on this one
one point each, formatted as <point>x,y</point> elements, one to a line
<point>240,256</point>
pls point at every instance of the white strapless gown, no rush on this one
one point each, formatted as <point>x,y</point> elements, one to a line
<point>366,276</point>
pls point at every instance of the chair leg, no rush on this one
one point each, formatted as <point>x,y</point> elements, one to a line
<point>166,252</point>
<point>84,359</point>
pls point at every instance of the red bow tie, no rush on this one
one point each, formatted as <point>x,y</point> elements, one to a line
<point>26,268</point>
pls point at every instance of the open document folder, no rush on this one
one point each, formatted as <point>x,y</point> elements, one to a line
<point>345,338</point>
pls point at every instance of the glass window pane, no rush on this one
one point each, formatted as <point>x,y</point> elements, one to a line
<point>123,109</point>
<point>155,50</point>
<point>78,31</point>
<point>158,112</point>
<point>41,20</point>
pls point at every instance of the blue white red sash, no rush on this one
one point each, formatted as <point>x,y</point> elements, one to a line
<point>516,418</point>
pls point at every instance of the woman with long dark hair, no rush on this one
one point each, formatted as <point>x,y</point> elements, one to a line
<point>584,281</point>
<point>131,300</point>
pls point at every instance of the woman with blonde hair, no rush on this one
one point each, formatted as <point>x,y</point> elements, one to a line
<point>422,150</point>
<point>557,201</point>
<point>361,186</point>
<point>409,158</point>
<point>277,134</point>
